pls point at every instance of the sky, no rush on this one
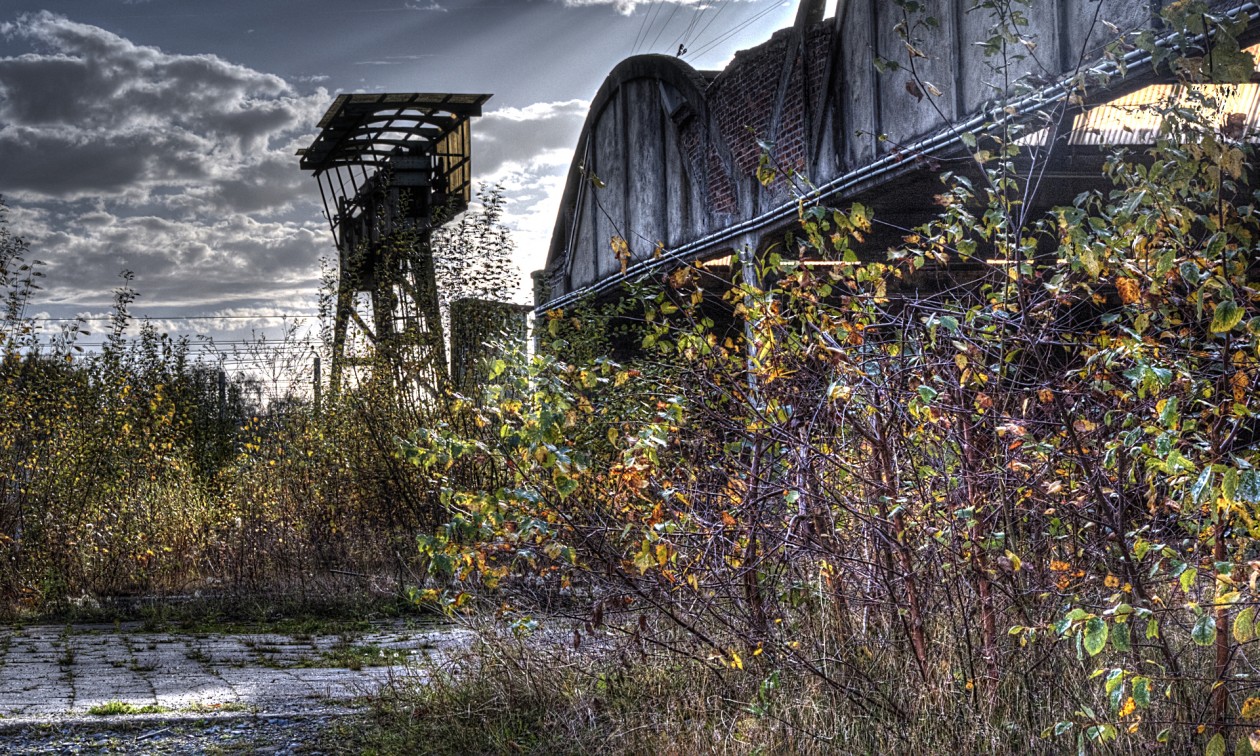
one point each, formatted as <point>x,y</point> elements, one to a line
<point>158,136</point>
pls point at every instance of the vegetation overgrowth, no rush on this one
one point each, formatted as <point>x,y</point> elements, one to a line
<point>835,506</point>
<point>1016,512</point>
<point>140,470</point>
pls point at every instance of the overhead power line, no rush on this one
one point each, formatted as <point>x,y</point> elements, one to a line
<point>646,27</point>
<point>736,30</point>
<point>664,26</point>
<point>680,42</point>
<point>141,318</point>
<point>721,7</point>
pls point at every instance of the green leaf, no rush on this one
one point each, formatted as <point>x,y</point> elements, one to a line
<point>1115,679</point>
<point>1229,64</point>
<point>1102,733</point>
<point>1121,638</point>
<point>1190,274</point>
<point>565,485</point>
<point>1202,486</point>
<point>1215,746</point>
<point>1140,548</point>
<point>1244,625</point>
<point>1227,315</point>
<point>645,560</point>
<point>1142,691</point>
<point>1248,487</point>
<point>1229,484</point>
<point>1243,747</point>
<point>1152,629</point>
<point>928,394</point>
<point>1204,631</point>
<point>1187,578</point>
<point>1095,637</point>
<point>1169,415</point>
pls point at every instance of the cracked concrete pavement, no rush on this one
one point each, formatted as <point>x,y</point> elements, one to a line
<point>50,673</point>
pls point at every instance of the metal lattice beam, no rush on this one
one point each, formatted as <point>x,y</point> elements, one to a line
<point>390,168</point>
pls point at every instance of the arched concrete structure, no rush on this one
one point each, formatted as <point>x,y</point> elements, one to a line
<point>638,171</point>
<point>668,157</point>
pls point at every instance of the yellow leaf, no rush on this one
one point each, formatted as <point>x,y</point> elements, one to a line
<point>1239,382</point>
<point>621,250</point>
<point>1251,708</point>
<point>1129,290</point>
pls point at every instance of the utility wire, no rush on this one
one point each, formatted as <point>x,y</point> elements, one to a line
<point>735,31</point>
<point>142,318</point>
<point>647,25</point>
<point>722,4</point>
<point>664,26</point>
<point>682,39</point>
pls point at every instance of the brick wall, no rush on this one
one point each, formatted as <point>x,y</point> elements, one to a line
<point>742,101</point>
<point>721,187</point>
<point>789,141</point>
<point>743,97</point>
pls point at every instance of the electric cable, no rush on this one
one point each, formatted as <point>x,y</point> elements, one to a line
<point>665,26</point>
<point>651,14</point>
<point>735,30</point>
<point>722,5</point>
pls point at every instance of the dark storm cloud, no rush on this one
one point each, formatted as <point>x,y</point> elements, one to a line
<point>89,111</point>
<point>520,133</point>
<point>177,167</point>
<point>176,262</point>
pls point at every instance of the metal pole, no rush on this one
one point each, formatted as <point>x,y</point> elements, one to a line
<point>222,396</point>
<point>318,385</point>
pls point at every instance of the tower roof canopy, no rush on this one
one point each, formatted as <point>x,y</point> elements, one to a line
<point>366,129</point>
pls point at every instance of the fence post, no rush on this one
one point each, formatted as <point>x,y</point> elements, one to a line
<point>318,385</point>
<point>222,396</point>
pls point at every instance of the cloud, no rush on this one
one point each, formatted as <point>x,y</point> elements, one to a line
<point>131,118</point>
<point>177,263</point>
<point>178,167</point>
<point>527,150</point>
<point>181,168</point>
<point>518,133</point>
<point>392,60</point>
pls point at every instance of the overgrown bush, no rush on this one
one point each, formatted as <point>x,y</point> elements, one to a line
<point>1016,515</point>
<point>137,469</point>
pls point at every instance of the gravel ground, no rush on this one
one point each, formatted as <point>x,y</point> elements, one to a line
<point>277,735</point>
<point>121,690</point>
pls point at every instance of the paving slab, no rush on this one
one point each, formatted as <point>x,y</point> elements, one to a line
<point>55,675</point>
